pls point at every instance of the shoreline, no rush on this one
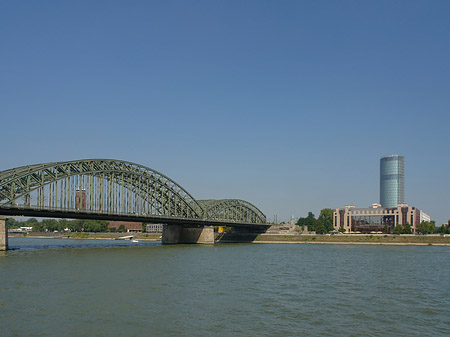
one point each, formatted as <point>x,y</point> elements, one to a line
<point>356,243</point>
<point>358,239</point>
<point>65,238</point>
<point>87,236</point>
<point>392,240</point>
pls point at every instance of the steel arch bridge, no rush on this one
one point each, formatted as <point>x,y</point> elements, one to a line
<point>233,209</point>
<point>113,189</point>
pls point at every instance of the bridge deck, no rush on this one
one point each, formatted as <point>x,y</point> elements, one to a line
<point>83,214</point>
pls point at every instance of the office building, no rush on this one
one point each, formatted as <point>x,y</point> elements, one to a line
<point>424,217</point>
<point>154,228</point>
<point>392,181</point>
<point>390,212</point>
<point>376,218</point>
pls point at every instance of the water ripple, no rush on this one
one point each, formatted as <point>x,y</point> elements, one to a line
<point>224,290</point>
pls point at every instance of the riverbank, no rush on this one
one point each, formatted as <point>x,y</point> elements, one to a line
<point>340,239</point>
<point>357,239</point>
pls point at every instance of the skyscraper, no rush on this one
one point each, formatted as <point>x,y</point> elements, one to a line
<point>392,181</point>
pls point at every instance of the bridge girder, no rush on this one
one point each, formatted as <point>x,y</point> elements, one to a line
<point>232,209</point>
<point>113,186</point>
<point>110,177</point>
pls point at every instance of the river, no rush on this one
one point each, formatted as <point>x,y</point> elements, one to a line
<point>52,287</point>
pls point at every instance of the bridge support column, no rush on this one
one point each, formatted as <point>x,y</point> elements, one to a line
<point>3,235</point>
<point>173,234</point>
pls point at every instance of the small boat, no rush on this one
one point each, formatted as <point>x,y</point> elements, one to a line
<point>134,241</point>
<point>128,237</point>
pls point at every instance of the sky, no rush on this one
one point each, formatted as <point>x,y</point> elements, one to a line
<point>286,104</point>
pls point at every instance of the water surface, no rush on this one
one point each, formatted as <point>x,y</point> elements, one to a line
<point>115,288</point>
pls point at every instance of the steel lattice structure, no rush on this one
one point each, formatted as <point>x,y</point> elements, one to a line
<point>106,186</point>
<point>232,209</point>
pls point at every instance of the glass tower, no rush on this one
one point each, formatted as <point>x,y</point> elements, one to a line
<point>392,181</point>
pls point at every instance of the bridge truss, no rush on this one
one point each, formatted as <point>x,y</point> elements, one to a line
<point>105,186</point>
<point>233,209</point>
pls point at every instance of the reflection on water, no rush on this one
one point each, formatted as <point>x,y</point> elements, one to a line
<point>111,288</point>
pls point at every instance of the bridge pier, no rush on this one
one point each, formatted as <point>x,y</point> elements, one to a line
<point>174,234</point>
<point>3,235</point>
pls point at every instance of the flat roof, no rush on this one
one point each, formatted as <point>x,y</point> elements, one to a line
<point>392,156</point>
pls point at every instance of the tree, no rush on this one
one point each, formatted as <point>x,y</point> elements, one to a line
<point>64,224</point>
<point>31,222</point>
<point>320,228</point>
<point>326,219</point>
<point>309,221</point>
<point>12,223</point>
<point>76,225</point>
<point>420,228</point>
<point>443,229</point>
<point>426,227</point>
<point>407,229</point>
<point>38,227</point>
<point>398,229</point>
<point>434,229</point>
<point>50,224</point>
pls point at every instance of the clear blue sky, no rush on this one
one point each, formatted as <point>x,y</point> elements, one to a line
<point>286,104</point>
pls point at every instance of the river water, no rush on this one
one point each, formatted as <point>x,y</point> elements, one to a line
<point>52,287</point>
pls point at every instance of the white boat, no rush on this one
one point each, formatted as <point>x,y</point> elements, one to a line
<point>134,241</point>
<point>128,237</point>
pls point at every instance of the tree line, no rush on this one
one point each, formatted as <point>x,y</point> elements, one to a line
<point>322,225</point>
<point>61,225</point>
<point>425,227</point>
<point>429,227</point>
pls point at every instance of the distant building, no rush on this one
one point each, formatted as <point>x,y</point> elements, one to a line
<point>376,218</point>
<point>392,209</point>
<point>392,181</point>
<point>424,217</point>
<point>154,228</point>
<point>130,227</point>
<point>80,199</point>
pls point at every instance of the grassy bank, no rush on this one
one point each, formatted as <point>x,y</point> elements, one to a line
<point>357,239</point>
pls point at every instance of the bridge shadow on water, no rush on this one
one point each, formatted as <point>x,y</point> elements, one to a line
<point>239,235</point>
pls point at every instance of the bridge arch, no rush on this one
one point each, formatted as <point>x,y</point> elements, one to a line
<point>102,185</point>
<point>113,187</point>
<point>232,209</point>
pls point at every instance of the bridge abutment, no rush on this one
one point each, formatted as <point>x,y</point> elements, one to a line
<point>174,234</point>
<point>3,235</point>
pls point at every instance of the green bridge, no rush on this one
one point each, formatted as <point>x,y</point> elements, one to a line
<point>109,189</point>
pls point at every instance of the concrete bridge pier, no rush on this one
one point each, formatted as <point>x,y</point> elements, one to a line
<point>174,234</point>
<point>3,235</point>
